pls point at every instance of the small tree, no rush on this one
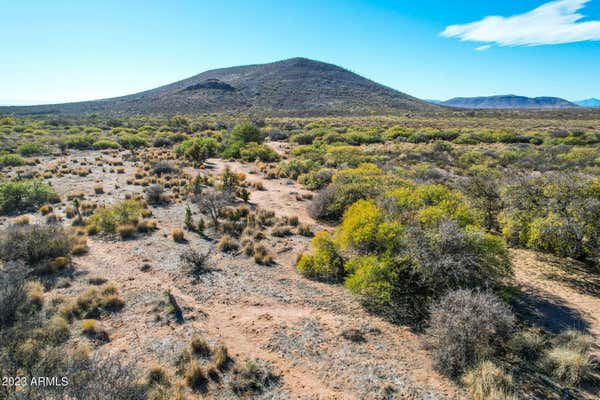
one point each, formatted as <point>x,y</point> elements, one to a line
<point>230,183</point>
<point>210,203</point>
<point>189,220</point>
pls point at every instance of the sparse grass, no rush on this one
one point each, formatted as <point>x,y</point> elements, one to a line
<point>255,376</point>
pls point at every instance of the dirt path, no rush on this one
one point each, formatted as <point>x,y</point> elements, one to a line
<point>559,293</point>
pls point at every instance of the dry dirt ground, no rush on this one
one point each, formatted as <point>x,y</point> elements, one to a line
<point>259,312</point>
<point>270,312</point>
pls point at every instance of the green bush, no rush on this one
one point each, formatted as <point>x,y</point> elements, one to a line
<point>409,246</point>
<point>131,141</point>
<point>105,144</point>
<point>25,195</point>
<point>197,150</point>
<point>258,152</point>
<point>325,263</point>
<point>296,166</point>
<point>240,135</point>
<point>128,212</point>
<point>79,141</point>
<point>30,149</point>
<point>554,213</point>
<point>11,160</point>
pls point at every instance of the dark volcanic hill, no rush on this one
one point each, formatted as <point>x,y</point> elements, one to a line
<point>509,101</point>
<point>297,86</point>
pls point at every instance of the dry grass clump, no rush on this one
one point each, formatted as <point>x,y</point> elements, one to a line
<point>527,344</point>
<point>227,244</point>
<point>22,220</point>
<point>178,235</point>
<point>281,231</point>
<point>255,376</point>
<point>52,218</point>
<point>569,360</point>
<point>221,357</point>
<point>92,302</point>
<point>199,346</point>
<point>489,382</point>
<point>157,375</point>
<point>305,230</point>
<point>147,225</point>
<point>35,294</point>
<point>265,217</point>
<point>126,231</point>
<point>262,255</point>
<point>46,209</point>
<point>195,377</point>
<point>80,247</point>
<point>98,189</point>
<point>92,329</point>
<point>258,185</point>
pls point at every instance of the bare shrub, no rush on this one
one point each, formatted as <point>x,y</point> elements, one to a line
<point>466,328</point>
<point>196,263</point>
<point>319,206</point>
<point>35,245</point>
<point>12,296</point>
<point>155,194</point>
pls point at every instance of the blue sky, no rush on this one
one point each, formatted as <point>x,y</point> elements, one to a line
<point>56,51</point>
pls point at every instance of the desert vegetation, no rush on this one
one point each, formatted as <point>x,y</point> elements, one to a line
<point>340,257</point>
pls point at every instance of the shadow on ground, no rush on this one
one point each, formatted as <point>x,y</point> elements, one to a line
<point>548,311</point>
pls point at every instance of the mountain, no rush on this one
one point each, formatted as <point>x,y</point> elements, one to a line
<point>297,86</point>
<point>590,103</point>
<point>509,101</point>
<point>433,101</point>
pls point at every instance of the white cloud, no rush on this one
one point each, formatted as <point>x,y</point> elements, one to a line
<point>555,22</point>
<point>483,48</point>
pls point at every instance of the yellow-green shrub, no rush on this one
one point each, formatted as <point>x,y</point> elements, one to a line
<point>325,263</point>
<point>127,212</point>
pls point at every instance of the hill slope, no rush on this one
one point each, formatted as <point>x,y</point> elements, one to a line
<point>590,103</point>
<point>294,86</point>
<point>509,101</point>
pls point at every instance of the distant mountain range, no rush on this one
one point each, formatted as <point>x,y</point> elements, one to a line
<point>509,101</point>
<point>297,86</point>
<point>591,103</point>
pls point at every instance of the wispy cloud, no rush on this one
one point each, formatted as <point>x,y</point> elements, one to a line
<point>555,22</point>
